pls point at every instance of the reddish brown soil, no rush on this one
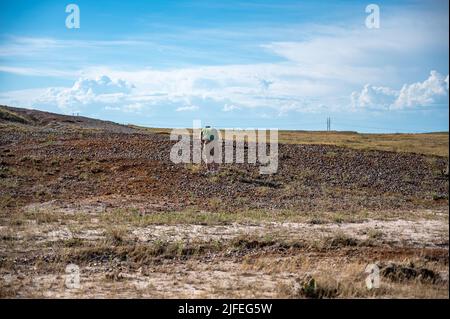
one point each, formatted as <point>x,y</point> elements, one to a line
<point>56,165</point>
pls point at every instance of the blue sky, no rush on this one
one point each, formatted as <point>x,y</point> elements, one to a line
<point>266,64</point>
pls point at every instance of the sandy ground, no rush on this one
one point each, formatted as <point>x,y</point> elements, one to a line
<point>263,268</point>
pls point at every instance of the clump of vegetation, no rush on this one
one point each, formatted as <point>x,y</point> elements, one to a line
<point>440,196</point>
<point>12,116</point>
<point>4,172</point>
<point>270,242</point>
<point>96,170</point>
<point>42,217</point>
<point>116,236</point>
<point>340,240</point>
<point>375,234</point>
<point>308,287</point>
<point>194,168</point>
<point>33,159</point>
<point>317,221</point>
<point>8,292</point>
<point>73,242</point>
<point>114,275</point>
<point>399,273</point>
<point>244,242</point>
<point>215,203</point>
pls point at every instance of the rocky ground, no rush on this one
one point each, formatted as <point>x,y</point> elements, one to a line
<point>107,198</point>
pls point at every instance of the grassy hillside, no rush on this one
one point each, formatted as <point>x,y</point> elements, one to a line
<point>10,116</point>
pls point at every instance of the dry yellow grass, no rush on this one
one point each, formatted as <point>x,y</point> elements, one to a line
<point>428,143</point>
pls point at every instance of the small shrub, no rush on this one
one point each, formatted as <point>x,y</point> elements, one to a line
<point>307,287</point>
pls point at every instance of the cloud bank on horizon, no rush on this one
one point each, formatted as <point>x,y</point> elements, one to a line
<point>287,64</point>
<point>432,91</point>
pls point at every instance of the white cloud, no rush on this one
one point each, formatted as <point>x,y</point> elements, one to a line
<point>432,91</point>
<point>112,108</point>
<point>237,88</point>
<point>229,107</point>
<point>189,108</point>
<point>239,85</point>
<point>87,93</point>
<point>344,57</point>
<point>134,107</point>
<point>32,46</point>
<point>320,67</point>
<point>101,85</point>
<point>36,71</point>
<point>374,96</point>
